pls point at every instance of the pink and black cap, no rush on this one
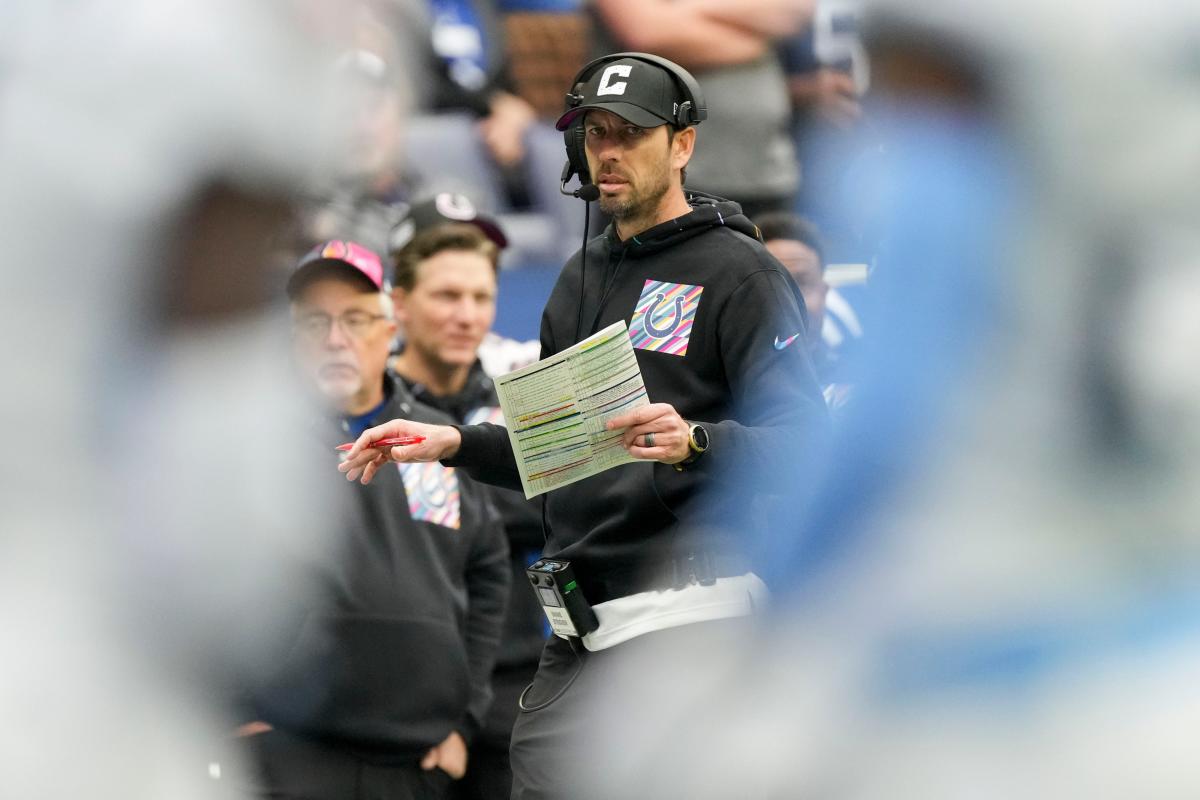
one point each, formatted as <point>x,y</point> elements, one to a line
<point>341,259</point>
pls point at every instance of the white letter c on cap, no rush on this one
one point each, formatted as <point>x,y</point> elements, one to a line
<point>614,88</point>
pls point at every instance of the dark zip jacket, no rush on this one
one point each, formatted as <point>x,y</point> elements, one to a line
<point>718,328</point>
<point>525,627</point>
<point>399,650</point>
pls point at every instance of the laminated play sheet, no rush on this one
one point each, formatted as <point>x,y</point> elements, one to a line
<point>555,410</point>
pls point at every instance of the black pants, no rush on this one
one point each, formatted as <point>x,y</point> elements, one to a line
<point>489,776</point>
<point>554,750</point>
<point>291,768</point>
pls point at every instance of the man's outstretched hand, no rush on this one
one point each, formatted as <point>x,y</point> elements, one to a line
<point>363,461</point>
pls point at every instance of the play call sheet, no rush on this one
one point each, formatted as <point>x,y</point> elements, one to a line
<point>556,408</point>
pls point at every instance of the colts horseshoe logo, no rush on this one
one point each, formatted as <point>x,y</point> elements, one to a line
<point>676,318</point>
<point>662,321</point>
<point>433,493</point>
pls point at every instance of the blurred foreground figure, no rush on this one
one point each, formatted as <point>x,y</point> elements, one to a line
<point>145,566</point>
<point>993,589</point>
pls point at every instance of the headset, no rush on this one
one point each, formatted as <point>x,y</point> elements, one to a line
<point>691,111</point>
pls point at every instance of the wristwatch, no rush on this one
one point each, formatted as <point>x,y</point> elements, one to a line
<point>697,442</point>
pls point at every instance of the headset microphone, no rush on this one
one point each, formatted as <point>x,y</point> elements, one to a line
<point>589,192</point>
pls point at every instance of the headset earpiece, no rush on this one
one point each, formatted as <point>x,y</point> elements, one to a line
<point>573,138</point>
<point>684,116</point>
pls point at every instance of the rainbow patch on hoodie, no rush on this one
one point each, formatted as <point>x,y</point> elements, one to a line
<point>432,492</point>
<point>662,320</point>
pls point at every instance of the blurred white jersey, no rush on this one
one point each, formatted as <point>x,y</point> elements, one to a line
<point>500,355</point>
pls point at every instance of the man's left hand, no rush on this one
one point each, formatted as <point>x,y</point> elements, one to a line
<point>668,432</point>
<point>450,756</point>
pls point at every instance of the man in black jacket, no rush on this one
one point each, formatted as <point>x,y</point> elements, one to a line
<point>714,320</point>
<point>445,295</point>
<point>391,679</point>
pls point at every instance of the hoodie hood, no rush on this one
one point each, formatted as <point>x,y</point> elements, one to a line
<point>708,211</point>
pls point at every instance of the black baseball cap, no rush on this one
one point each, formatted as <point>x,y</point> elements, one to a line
<point>446,208</point>
<point>635,90</point>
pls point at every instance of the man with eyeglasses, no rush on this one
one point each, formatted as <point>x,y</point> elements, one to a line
<point>391,678</point>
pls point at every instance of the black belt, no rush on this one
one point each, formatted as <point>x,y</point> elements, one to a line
<point>695,567</point>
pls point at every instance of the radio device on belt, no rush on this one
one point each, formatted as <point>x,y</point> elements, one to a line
<point>561,598</point>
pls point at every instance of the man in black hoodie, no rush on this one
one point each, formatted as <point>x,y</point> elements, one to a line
<point>391,676</point>
<point>714,320</point>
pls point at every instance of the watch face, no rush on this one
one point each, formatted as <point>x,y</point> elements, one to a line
<point>700,436</point>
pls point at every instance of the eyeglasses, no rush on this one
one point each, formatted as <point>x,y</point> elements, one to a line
<point>314,328</point>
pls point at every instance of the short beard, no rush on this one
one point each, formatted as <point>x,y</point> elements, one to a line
<point>615,208</point>
<point>637,205</point>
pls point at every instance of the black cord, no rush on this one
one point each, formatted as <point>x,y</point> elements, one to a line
<point>587,218</point>
<point>524,692</point>
<point>609,285</point>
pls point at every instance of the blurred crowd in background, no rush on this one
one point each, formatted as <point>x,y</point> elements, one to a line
<point>461,97</point>
<point>986,584</point>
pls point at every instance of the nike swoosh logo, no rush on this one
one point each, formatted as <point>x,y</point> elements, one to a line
<point>781,345</point>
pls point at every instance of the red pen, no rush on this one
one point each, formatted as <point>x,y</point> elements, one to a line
<point>396,441</point>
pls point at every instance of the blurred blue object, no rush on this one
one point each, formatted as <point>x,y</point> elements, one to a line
<point>545,6</point>
<point>941,203</point>
<point>917,663</point>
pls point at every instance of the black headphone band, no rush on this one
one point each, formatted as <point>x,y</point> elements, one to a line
<point>692,111</point>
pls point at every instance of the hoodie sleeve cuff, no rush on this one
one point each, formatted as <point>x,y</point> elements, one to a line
<point>486,455</point>
<point>468,729</point>
<point>722,440</point>
<point>473,446</point>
